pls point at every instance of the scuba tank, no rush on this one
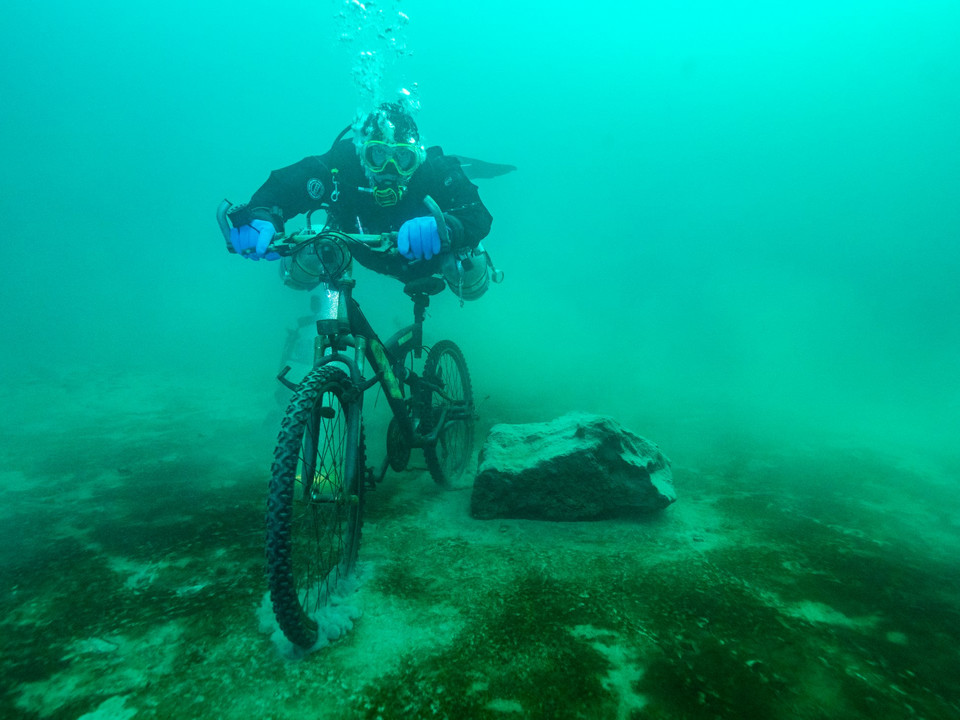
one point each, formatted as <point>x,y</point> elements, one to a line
<point>468,272</point>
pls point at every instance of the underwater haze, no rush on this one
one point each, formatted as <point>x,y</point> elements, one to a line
<point>733,226</point>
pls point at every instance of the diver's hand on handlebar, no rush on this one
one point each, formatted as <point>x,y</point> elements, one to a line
<point>251,241</point>
<point>419,238</point>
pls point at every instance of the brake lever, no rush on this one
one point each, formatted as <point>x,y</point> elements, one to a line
<point>222,209</point>
<point>442,230</point>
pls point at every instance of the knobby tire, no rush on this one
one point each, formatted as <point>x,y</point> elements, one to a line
<point>315,504</point>
<point>446,367</point>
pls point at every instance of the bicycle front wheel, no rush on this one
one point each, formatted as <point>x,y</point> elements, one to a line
<point>451,404</point>
<point>315,506</point>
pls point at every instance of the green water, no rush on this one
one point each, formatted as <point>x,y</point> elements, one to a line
<point>734,227</point>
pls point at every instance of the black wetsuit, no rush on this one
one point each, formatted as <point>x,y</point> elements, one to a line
<point>336,182</point>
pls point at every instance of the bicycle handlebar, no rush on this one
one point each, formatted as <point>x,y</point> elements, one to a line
<point>288,243</point>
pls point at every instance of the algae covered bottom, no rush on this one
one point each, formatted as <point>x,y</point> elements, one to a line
<point>788,583</point>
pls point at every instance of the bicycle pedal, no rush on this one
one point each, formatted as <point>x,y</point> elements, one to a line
<point>370,480</point>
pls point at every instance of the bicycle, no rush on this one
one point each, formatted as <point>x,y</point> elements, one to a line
<point>319,474</point>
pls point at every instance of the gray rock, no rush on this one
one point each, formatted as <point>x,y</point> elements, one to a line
<point>577,467</point>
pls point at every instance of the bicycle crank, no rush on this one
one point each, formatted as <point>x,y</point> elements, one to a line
<point>398,451</point>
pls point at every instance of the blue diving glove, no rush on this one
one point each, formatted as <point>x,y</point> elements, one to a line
<point>251,240</point>
<point>419,239</point>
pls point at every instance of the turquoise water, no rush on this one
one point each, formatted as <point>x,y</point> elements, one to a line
<point>734,227</point>
<point>751,204</point>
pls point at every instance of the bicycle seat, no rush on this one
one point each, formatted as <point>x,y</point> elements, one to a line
<point>430,285</point>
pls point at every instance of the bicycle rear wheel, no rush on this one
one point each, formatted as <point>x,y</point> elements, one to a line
<point>452,404</point>
<point>315,505</point>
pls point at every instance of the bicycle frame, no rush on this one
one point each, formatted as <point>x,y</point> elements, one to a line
<point>345,336</point>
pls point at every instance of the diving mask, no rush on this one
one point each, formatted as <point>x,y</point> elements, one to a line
<point>406,157</point>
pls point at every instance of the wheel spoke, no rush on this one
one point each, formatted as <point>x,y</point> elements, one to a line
<point>450,403</point>
<point>315,508</point>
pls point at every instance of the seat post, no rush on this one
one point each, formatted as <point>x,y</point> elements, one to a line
<point>420,303</point>
<point>419,290</point>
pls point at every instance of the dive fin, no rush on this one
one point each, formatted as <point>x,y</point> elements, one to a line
<point>474,169</point>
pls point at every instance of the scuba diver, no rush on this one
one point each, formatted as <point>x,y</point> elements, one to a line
<point>376,183</point>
